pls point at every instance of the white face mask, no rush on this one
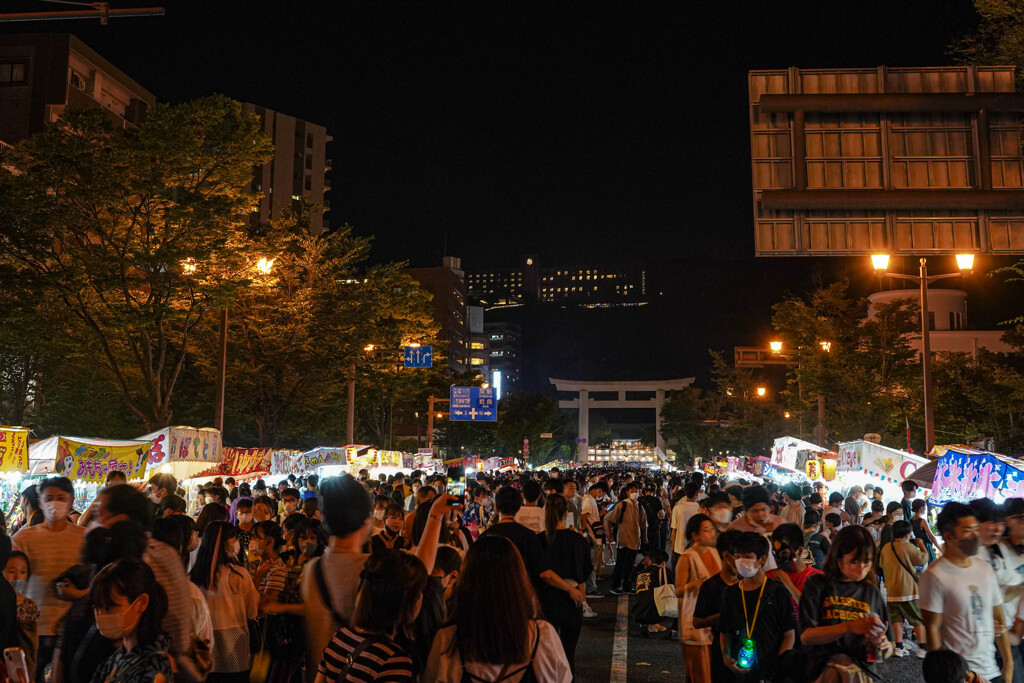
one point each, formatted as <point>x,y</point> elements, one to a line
<point>20,585</point>
<point>897,518</point>
<point>634,495</point>
<point>113,625</point>
<point>721,515</point>
<point>155,496</point>
<point>378,515</point>
<point>746,567</point>
<point>55,510</point>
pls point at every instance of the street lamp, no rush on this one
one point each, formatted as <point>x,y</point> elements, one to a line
<point>775,346</point>
<point>761,391</point>
<point>826,346</point>
<point>965,263</point>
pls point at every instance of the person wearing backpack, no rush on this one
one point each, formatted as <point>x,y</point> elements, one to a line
<point>388,601</point>
<point>496,634</point>
<point>897,561</point>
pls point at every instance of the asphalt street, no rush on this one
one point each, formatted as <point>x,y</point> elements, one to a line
<point>604,655</point>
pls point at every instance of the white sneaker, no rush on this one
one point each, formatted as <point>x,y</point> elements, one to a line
<point>921,654</point>
<point>588,613</point>
<point>900,652</point>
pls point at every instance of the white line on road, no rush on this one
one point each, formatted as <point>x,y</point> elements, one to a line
<point>619,663</point>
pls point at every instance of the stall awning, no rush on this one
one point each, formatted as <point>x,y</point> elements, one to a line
<point>964,474</point>
<point>877,460</point>
<point>89,459</point>
<point>184,451</point>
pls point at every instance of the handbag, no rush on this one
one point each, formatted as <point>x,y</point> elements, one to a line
<point>260,665</point>
<point>665,598</point>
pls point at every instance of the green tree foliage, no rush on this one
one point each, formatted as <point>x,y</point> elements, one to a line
<point>999,38</point>
<point>980,398</point>
<point>110,223</point>
<point>527,416</point>
<point>869,375</point>
<point>296,333</point>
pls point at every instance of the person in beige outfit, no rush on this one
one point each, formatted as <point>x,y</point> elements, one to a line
<point>898,560</point>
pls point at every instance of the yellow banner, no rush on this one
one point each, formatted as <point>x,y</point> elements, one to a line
<point>13,449</point>
<point>91,462</point>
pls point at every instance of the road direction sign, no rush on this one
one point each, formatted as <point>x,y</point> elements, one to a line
<point>473,404</point>
<point>419,356</point>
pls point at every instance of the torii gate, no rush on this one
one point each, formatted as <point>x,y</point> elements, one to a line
<point>584,403</point>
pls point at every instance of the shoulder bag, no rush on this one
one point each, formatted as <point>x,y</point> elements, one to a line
<point>665,598</point>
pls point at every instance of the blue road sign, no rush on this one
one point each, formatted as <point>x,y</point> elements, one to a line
<point>473,404</point>
<point>419,356</point>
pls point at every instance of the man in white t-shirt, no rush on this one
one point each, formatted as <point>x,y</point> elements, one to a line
<point>531,515</point>
<point>961,600</point>
<point>590,520</point>
<point>686,507</point>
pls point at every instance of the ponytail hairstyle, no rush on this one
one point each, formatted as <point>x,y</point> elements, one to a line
<point>392,585</point>
<point>554,512</point>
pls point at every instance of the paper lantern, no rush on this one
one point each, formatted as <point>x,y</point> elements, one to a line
<point>813,469</point>
<point>828,469</point>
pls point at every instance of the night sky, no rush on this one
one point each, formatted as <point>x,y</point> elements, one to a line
<point>577,130</point>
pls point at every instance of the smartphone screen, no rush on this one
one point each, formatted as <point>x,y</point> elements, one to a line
<point>17,667</point>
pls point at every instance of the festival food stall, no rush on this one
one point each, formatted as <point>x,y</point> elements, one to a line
<point>184,451</point>
<point>14,464</point>
<point>864,462</point>
<point>86,462</point>
<point>963,474</point>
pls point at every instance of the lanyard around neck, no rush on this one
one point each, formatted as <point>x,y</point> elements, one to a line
<point>757,608</point>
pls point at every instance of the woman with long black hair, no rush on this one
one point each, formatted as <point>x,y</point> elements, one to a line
<point>490,636</point>
<point>569,557</point>
<point>232,598</point>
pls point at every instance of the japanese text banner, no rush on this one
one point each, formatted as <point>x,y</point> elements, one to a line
<point>93,462</point>
<point>13,449</point>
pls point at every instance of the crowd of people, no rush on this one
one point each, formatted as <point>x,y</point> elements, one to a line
<point>395,579</point>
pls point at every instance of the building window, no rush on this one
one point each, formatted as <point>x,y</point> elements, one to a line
<point>476,361</point>
<point>309,140</point>
<point>13,73</point>
<point>476,345</point>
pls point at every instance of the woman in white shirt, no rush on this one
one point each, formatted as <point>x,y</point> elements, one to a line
<point>232,599</point>
<point>492,644</point>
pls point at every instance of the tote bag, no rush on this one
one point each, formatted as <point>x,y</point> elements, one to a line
<point>665,598</point>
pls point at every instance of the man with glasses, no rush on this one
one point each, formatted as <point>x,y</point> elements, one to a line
<point>289,503</point>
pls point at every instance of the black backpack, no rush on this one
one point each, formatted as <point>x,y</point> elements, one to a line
<point>529,676</point>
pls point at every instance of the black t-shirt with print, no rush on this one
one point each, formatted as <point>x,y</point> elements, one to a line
<point>774,618</point>
<point>709,603</point>
<point>827,603</point>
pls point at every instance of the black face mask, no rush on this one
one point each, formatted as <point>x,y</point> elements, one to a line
<point>784,558</point>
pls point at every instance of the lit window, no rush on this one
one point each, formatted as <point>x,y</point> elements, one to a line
<point>476,345</point>
<point>476,361</point>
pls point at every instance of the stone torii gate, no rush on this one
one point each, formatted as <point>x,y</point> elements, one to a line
<point>584,403</point>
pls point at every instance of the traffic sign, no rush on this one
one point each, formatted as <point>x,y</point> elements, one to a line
<point>473,404</point>
<point>419,356</point>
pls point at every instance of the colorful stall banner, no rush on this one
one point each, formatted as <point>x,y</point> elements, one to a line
<point>409,462</point>
<point>240,462</point>
<point>964,475</point>
<point>788,448</point>
<point>92,462</point>
<point>283,463</point>
<point>422,461</point>
<point>888,464</point>
<point>323,456</point>
<point>13,449</point>
<point>390,458</point>
<point>453,462</point>
<point>184,444</point>
<point>506,463</point>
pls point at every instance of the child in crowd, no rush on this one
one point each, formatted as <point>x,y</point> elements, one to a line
<point>652,575</point>
<point>815,541</point>
<point>17,572</point>
<point>946,666</point>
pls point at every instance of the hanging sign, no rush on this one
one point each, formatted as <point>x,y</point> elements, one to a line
<point>390,458</point>
<point>245,461</point>
<point>286,462</point>
<point>319,457</point>
<point>813,469</point>
<point>13,449</point>
<point>92,462</point>
<point>184,444</point>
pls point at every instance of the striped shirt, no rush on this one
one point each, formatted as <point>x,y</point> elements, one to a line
<point>50,554</point>
<point>382,662</point>
<point>275,577</point>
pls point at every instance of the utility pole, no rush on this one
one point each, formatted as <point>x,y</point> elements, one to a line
<point>430,419</point>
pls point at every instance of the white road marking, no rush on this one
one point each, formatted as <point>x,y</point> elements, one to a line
<point>619,663</point>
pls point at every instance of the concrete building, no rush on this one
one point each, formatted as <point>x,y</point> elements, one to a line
<point>479,358</point>
<point>447,285</point>
<point>505,354</point>
<point>897,160</point>
<point>43,74</point>
<point>948,325</point>
<point>298,170</point>
<point>593,285</point>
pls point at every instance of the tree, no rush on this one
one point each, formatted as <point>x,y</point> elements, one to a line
<point>999,37</point>
<point>138,234</point>
<point>296,334</point>
<point>866,370</point>
<point>527,416</point>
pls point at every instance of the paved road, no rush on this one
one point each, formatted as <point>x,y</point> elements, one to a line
<point>610,650</point>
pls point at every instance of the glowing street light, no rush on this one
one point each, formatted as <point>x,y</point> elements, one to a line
<point>761,391</point>
<point>880,262</point>
<point>188,266</point>
<point>264,265</point>
<point>786,415</point>
<point>965,262</point>
<point>775,346</point>
<point>826,346</point>
<point>369,347</point>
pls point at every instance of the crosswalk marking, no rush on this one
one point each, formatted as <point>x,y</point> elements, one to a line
<point>619,661</point>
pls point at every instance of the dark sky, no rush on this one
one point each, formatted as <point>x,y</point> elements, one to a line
<point>576,130</point>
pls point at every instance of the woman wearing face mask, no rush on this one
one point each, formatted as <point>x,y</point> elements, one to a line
<point>858,632</point>
<point>893,514</point>
<point>241,515</point>
<point>380,511</point>
<point>129,605</point>
<point>699,562</point>
<point>16,571</point>
<point>232,599</point>
<point>390,536</point>
<point>285,626</point>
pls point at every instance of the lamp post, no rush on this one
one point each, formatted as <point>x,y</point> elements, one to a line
<point>263,267</point>
<point>965,263</point>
